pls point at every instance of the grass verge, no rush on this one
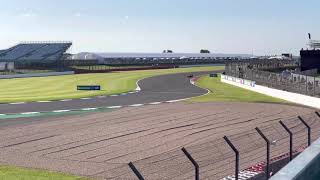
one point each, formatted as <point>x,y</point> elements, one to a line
<point>64,87</point>
<point>17,173</point>
<point>222,92</point>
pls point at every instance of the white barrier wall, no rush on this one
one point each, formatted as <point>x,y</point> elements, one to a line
<point>36,75</point>
<point>305,166</point>
<point>288,96</point>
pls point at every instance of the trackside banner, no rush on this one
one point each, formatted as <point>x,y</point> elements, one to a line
<point>239,80</point>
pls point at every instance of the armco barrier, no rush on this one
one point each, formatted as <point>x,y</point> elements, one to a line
<point>288,96</point>
<point>36,75</point>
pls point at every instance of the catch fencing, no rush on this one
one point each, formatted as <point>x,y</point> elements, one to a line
<point>255,154</point>
<point>286,80</point>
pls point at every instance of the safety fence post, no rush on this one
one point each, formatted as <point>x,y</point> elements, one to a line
<point>309,129</point>
<point>237,156</point>
<point>268,152</point>
<point>195,164</point>
<point>290,136</point>
<point>135,171</point>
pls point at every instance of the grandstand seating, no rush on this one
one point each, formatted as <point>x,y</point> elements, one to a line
<point>141,61</point>
<point>156,58</point>
<point>48,52</point>
<point>35,52</point>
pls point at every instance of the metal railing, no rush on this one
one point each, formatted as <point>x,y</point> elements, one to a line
<point>291,82</point>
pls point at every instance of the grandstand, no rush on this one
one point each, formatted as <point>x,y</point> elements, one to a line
<point>157,58</point>
<point>168,58</point>
<point>52,55</point>
<point>35,52</point>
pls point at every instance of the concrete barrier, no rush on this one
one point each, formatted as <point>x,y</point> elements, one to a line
<point>36,75</point>
<point>306,166</point>
<point>288,96</point>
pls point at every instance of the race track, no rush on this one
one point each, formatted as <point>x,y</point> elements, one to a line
<point>101,144</point>
<point>155,89</point>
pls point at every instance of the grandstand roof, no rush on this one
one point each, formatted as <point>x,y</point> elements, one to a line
<point>167,55</point>
<point>35,52</point>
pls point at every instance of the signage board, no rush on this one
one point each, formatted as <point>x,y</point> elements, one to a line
<point>89,88</point>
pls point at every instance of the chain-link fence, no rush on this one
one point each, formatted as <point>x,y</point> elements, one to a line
<point>245,155</point>
<point>285,80</point>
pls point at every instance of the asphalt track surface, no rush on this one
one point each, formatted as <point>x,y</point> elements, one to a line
<point>154,89</point>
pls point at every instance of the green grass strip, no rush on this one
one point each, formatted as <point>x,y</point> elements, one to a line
<point>222,92</point>
<point>17,173</point>
<point>64,87</point>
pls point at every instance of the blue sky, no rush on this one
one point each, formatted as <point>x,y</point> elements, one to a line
<point>222,26</point>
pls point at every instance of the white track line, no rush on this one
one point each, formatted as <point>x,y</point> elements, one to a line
<point>44,101</point>
<point>85,98</point>
<point>58,111</point>
<point>138,87</point>
<point>17,103</point>
<point>193,83</point>
<point>28,113</point>
<point>136,105</point>
<point>88,109</point>
<point>155,103</point>
<point>208,91</point>
<point>110,107</point>
<point>172,101</point>
<point>114,107</point>
<point>243,175</point>
<point>65,100</point>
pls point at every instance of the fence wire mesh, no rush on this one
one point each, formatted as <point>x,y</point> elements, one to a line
<point>217,160</point>
<point>285,80</point>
